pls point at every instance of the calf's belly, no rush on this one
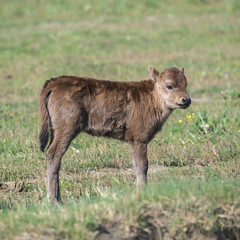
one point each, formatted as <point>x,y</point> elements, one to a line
<point>113,128</point>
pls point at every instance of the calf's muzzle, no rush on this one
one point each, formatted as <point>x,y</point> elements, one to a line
<point>186,101</point>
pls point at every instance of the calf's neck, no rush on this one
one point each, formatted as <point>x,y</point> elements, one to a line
<point>129,111</point>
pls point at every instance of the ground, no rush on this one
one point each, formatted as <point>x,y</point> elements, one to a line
<point>193,190</point>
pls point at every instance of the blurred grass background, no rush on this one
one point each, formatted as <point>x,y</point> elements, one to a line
<point>117,40</point>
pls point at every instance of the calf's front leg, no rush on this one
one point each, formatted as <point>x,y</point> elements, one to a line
<point>140,161</point>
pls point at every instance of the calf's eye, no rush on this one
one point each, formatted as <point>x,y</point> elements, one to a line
<point>169,88</point>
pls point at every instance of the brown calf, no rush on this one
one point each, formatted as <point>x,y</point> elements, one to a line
<point>130,111</point>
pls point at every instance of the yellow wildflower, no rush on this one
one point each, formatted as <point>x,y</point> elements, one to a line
<point>4,140</point>
<point>180,121</point>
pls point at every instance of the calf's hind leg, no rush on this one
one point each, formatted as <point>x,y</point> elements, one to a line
<point>54,155</point>
<point>140,161</point>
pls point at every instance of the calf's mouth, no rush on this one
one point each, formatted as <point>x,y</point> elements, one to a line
<point>183,106</point>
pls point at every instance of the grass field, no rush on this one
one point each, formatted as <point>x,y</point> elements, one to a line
<point>194,190</point>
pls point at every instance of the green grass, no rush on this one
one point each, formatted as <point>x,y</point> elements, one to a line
<point>207,206</point>
<point>196,158</point>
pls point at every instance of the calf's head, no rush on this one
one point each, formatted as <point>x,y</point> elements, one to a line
<point>171,86</point>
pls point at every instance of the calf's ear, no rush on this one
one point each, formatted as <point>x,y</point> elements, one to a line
<point>153,73</point>
<point>182,70</point>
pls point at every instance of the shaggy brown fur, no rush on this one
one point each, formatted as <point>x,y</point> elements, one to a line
<point>128,111</point>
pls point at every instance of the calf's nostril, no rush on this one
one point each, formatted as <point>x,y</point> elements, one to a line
<point>186,100</point>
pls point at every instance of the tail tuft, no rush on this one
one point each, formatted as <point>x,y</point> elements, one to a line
<point>43,138</point>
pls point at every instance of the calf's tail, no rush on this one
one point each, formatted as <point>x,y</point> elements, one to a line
<point>46,128</point>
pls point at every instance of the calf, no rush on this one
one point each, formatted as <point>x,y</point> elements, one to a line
<point>130,111</point>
